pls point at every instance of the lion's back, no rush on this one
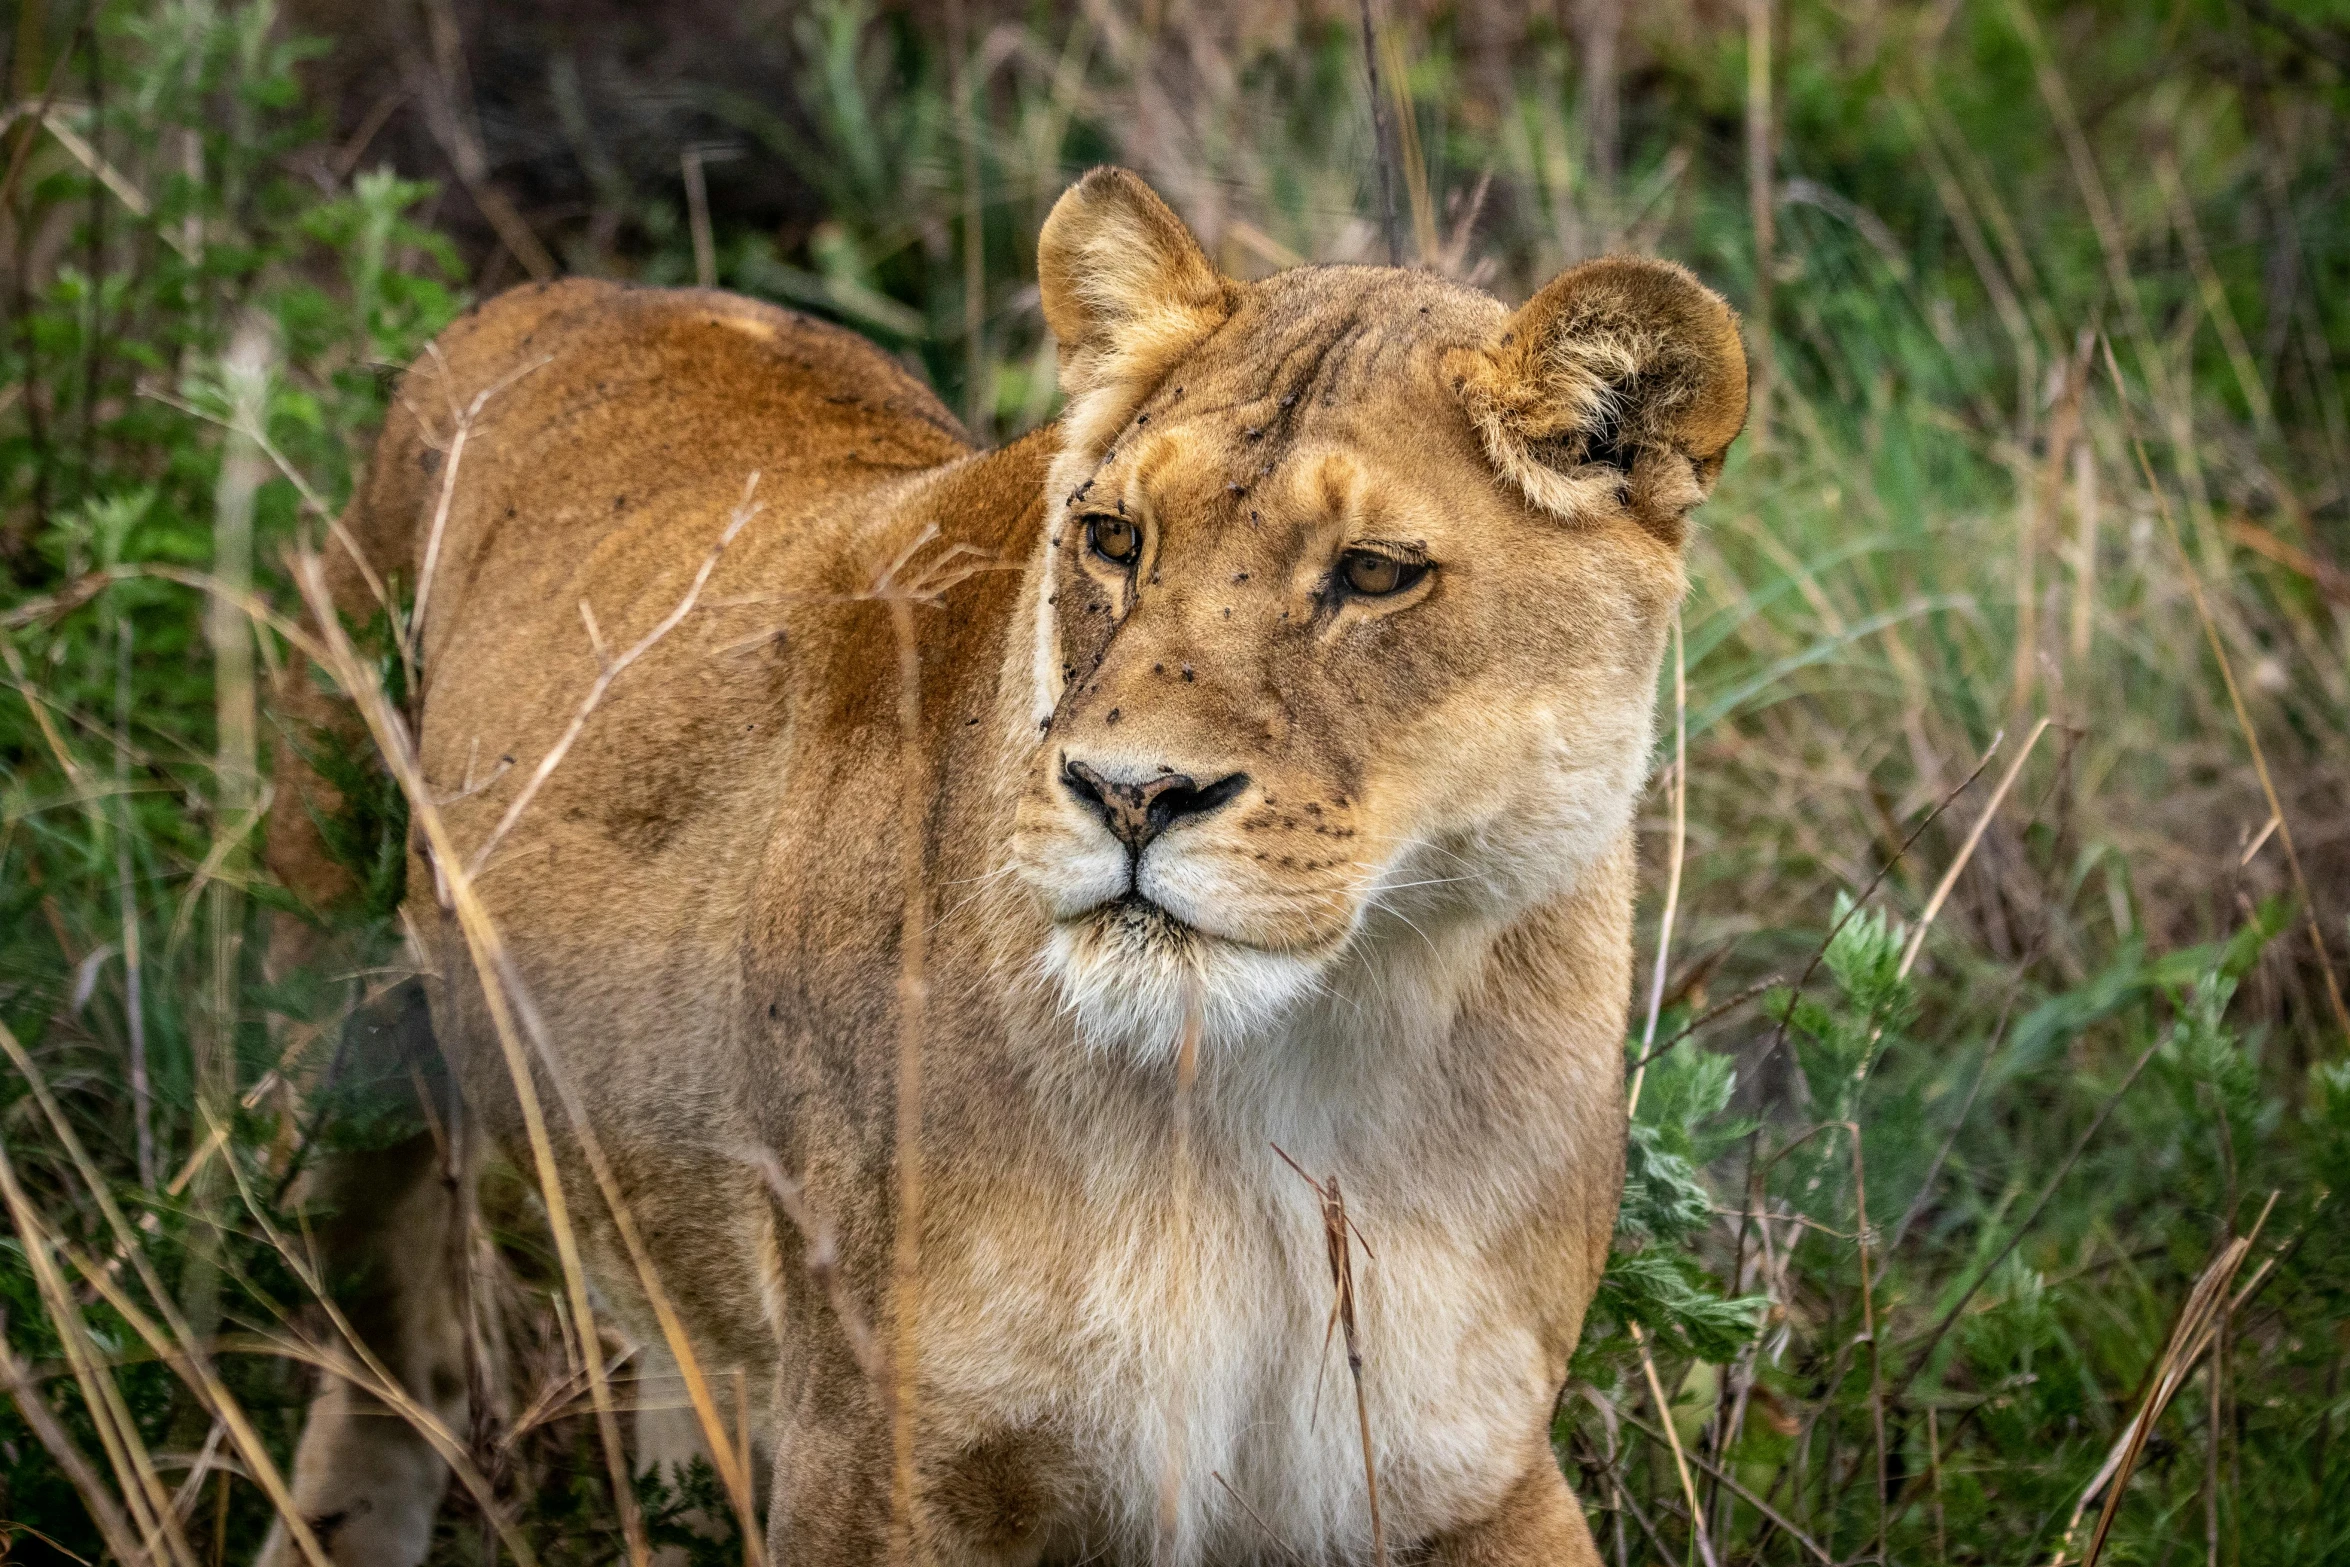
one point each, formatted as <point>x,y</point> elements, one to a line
<point>595,409</point>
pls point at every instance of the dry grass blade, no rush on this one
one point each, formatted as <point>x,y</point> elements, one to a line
<point>1868,1318</point>
<point>118,1432</point>
<point>1181,1200</point>
<point>1778,1520</point>
<point>913,994</point>
<point>379,1382</point>
<point>461,431</point>
<point>1383,137</point>
<point>610,671</point>
<point>2190,1336</point>
<point>1338,1231</point>
<point>351,673</point>
<point>1664,1414</point>
<point>1254,1516</point>
<point>509,1004</point>
<point>1966,850</point>
<point>185,1357</point>
<point>43,1422</point>
<point>820,1255</point>
<point>2227,674</point>
<point>1680,843</point>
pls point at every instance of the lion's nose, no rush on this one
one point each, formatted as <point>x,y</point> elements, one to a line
<point>1139,812</point>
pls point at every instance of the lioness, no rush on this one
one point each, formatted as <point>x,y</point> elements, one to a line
<point>1304,702</point>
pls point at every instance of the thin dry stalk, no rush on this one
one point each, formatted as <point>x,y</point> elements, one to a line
<point>1336,1241</point>
<point>134,1001</point>
<point>962,87</point>
<point>2084,615</point>
<point>2191,1335</point>
<point>245,372</point>
<point>913,994</point>
<point>104,1512</point>
<point>449,114</point>
<point>820,1255</point>
<point>1181,1200</point>
<point>372,1376</point>
<point>1966,850</point>
<point>1934,1478</point>
<point>349,671</point>
<point>1664,1415</point>
<point>2227,674</point>
<point>697,218</point>
<point>1762,215</point>
<point>610,670</point>
<point>734,1478</point>
<point>134,1474</point>
<point>1777,1519</point>
<point>1868,1320</point>
<point>461,431</point>
<point>504,990</point>
<point>1254,1516</point>
<point>1413,161</point>
<point>187,1360</point>
<point>1680,841</point>
<point>2215,294</point>
<point>1383,137</point>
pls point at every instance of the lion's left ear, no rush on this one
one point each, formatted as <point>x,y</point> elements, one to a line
<point>1621,378</point>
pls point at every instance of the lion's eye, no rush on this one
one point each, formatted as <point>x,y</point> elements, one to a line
<point>1114,539</point>
<point>1374,575</point>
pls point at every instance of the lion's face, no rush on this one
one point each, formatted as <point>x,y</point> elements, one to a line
<point>1314,668</point>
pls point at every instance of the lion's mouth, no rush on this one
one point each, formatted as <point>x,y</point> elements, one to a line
<point>1135,916</point>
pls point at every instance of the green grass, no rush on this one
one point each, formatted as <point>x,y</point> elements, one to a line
<point>2058,312</point>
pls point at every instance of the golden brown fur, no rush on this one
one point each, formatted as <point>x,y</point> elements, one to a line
<point>1406,922</point>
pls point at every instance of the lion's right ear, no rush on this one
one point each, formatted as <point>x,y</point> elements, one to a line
<point>1125,287</point>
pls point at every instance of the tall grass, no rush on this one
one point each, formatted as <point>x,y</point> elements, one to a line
<point>1993,1081</point>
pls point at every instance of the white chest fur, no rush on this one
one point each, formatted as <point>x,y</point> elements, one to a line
<point>1196,1350</point>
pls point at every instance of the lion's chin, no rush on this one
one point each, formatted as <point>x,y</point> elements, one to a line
<point>1130,973</point>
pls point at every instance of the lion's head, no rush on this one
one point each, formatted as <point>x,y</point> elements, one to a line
<point>1352,598</point>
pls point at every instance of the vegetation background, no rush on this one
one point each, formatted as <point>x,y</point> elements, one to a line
<point>1992,1082</point>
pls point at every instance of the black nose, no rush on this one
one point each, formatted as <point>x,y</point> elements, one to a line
<point>1137,813</point>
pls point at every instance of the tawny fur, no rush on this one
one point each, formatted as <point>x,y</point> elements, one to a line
<point>1410,928</point>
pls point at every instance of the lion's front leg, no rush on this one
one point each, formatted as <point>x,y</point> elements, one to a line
<point>986,1500</point>
<point>829,1501</point>
<point>1538,1524</point>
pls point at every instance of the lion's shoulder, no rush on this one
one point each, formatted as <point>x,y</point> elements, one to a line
<point>581,340</point>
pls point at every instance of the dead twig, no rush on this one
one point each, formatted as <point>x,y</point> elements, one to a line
<point>1181,1200</point>
<point>1714,1014</point>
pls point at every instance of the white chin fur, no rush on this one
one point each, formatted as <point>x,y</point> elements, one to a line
<point>1128,978</point>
